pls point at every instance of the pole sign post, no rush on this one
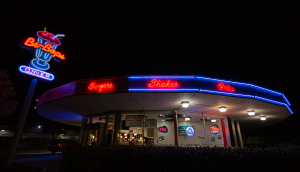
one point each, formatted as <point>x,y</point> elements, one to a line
<point>43,47</point>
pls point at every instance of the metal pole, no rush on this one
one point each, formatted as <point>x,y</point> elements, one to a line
<point>204,129</point>
<point>143,128</point>
<point>21,122</point>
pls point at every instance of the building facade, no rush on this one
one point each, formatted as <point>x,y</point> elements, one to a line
<point>163,110</point>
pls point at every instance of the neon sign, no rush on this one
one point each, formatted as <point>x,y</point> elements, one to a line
<point>163,129</point>
<point>190,131</point>
<point>215,129</point>
<point>35,72</point>
<point>224,87</point>
<point>44,49</point>
<point>94,87</point>
<point>159,84</point>
<point>30,42</point>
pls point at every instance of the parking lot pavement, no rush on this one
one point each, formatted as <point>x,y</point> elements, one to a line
<point>49,161</point>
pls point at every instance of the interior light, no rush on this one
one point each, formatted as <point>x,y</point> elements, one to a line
<point>187,119</point>
<point>134,134</point>
<point>39,126</point>
<point>251,113</point>
<point>160,115</point>
<point>222,109</point>
<point>263,118</point>
<point>2,130</point>
<point>162,120</point>
<point>185,104</point>
<point>213,120</point>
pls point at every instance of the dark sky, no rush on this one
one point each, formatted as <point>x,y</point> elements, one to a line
<point>244,41</point>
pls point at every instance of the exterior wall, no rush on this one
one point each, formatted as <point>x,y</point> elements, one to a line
<point>169,138</point>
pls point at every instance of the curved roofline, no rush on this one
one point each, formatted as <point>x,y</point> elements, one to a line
<point>136,83</point>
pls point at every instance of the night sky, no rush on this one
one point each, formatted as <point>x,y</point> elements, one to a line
<point>243,41</point>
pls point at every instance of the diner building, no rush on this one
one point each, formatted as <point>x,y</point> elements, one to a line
<point>161,110</point>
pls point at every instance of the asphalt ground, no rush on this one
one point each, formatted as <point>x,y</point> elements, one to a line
<point>42,158</point>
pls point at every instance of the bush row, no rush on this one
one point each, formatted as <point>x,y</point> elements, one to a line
<point>146,158</point>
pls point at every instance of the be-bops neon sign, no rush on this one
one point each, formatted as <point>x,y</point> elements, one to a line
<point>44,49</point>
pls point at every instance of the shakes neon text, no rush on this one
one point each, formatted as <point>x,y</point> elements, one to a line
<point>224,87</point>
<point>99,87</point>
<point>30,42</point>
<point>159,84</point>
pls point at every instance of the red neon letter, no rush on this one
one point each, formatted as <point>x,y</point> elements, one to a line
<point>47,48</point>
<point>29,42</point>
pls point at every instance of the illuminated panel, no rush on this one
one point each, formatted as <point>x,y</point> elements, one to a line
<point>215,129</point>
<point>223,87</point>
<point>160,84</point>
<point>190,131</point>
<point>36,73</point>
<point>162,90</point>
<point>99,87</point>
<point>163,129</point>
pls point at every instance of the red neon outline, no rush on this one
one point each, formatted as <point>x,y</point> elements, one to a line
<point>30,42</point>
<point>158,84</point>
<point>223,87</point>
<point>99,87</point>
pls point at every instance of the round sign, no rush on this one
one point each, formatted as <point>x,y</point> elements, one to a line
<point>189,131</point>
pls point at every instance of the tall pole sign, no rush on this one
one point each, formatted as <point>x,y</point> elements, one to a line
<point>43,47</point>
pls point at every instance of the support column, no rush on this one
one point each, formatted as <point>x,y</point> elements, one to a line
<point>234,133</point>
<point>106,129</point>
<point>82,127</point>
<point>224,132</point>
<point>113,129</point>
<point>239,133</point>
<point>143,136</point>
<point>176,128</point>
<point>204,133</point>
<point>117,120</point>
<point>226,125</point>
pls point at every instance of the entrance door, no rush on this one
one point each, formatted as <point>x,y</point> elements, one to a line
<point>93,137</point>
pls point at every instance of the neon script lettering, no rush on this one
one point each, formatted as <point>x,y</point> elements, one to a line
<point>224,87</point>
<point>163,129</point>
<point>99,87</point>
<point>30,42</point>
<point>158,84</point>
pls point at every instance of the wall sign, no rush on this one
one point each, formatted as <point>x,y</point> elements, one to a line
<point>162,84</point>
<point>190,131</point>
<point>215,129</point>
<point>223,87</point>
<point>37,73</point>
<point>134,120</point>
<point>161,138</point>
<point>43,47</point>
<point>163,129</point>
<point>99,87</point>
